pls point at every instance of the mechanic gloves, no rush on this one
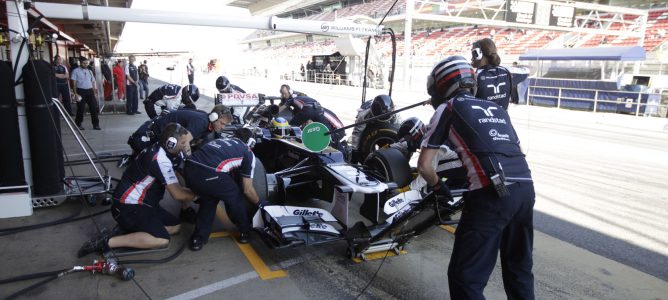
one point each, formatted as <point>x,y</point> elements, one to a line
<point>440,189</point>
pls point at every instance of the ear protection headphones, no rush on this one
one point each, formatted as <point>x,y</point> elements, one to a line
<point>476,53</point>
<point>213,117</point>
<point>172,141</point>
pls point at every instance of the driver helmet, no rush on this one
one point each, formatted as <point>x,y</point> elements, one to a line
<point>223,84</point>
<point>412,131</point>
<point>280,127</point>
<point>382,104</point>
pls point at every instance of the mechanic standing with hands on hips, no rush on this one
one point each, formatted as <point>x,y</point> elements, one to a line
<point>85,92</point>
<point>494,81</point>
<point>498,207</point>
<point>214,172</point>
<point>132,77</point>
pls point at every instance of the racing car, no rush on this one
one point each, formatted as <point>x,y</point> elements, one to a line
<point>291,173</point>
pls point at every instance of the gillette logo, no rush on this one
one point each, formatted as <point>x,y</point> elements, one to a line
<point>306,212</point>
<point>396,202</point>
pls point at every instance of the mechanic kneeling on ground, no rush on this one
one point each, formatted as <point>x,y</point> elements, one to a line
<point>215,172</point>
<point>203,126</point>
<point>306,110</point>
<point>136,206</point>
<point>380,105</point>
<point>167,97</point>
<point>498,208</point>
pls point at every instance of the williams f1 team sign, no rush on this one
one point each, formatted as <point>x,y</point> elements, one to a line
<point>334,28</point>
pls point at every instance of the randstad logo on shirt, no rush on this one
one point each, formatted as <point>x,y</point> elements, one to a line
<point>498,136</point>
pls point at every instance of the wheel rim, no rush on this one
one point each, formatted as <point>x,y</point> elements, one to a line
<point>380,143</point>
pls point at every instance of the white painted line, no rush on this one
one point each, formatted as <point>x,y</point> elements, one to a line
<point>216,286</point>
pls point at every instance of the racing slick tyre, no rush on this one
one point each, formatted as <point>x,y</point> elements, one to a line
<point>260,186</point>
<point>391,166</point>
<point>375,137</point>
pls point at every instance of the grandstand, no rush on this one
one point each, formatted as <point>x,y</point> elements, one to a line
<point>430,38</point>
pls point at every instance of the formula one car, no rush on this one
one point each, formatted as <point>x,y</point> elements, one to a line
<point>292,172</point>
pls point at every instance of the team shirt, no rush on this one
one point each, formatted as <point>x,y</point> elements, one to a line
<point>143,183</point>
<point>494,84</point>
<point>226,155</point>
<point>482,135</point>
<point>168,95</point>
<point>196,121</point>
<point>60,69</point>
<point>131,71</point>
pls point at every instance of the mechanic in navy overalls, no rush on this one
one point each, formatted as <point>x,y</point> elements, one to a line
<point>63,85</point>
<point>494,81</point>
<point>498,208</point>
<point>215,172</point>
<point>132,77</point>
<point>201,125</point>
<point>167,97</point>
<point>136,205</point>
<point>306,109</point>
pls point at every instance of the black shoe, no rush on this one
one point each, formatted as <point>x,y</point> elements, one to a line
<point>244,237</point>
<point>196,244</point>
<point>97,128</point>
<point>80,127</point>
<point>97,244</point>
<point>188,215</point>
<point>137,113</point>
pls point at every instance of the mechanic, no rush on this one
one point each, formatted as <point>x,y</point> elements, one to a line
<point>215,172</point>
<point>167,97</point>
<point>381,104</point>
<point>446,162</point>
<point>498,208</point>
<point>494,81</point>
<point>306,110</point>
<point>136,205</point>
<point>225,87</point>
<point>203,126</point>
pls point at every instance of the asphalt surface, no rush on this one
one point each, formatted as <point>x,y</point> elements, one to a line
<point>599,217</point>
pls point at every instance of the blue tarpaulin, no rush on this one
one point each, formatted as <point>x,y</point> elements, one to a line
<point>634,53</point>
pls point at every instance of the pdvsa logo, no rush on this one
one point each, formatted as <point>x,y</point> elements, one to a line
<point>324,27</point>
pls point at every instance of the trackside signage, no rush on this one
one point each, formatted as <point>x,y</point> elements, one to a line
<point>238,99</point>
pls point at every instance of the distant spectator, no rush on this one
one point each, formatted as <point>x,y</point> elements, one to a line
<point>131,76</point>
<point>190,70</point>
<point>62,83</point>
<point>107,79</point>
<point>143,80</point>
<point>85,92</point>
<point>119,79</point>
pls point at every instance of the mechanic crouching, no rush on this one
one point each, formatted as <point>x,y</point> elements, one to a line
<point>306,110</point>
<point>498,207</point>
<point>167,97</point>
<point>215,172</point>
<point>446,162</point>
<point>136,205</point>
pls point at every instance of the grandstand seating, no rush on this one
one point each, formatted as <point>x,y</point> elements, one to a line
<point>655,33</point>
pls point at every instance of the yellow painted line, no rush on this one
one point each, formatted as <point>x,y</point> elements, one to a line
<point>449,228</point>
<point>378,255</point>
<point>253,258</point>
<point>258,264</point>
<point>219,234</point>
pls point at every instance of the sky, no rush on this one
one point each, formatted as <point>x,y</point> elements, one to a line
<point>202,41</point>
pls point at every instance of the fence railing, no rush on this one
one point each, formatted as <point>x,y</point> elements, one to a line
<point>636,103</point>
